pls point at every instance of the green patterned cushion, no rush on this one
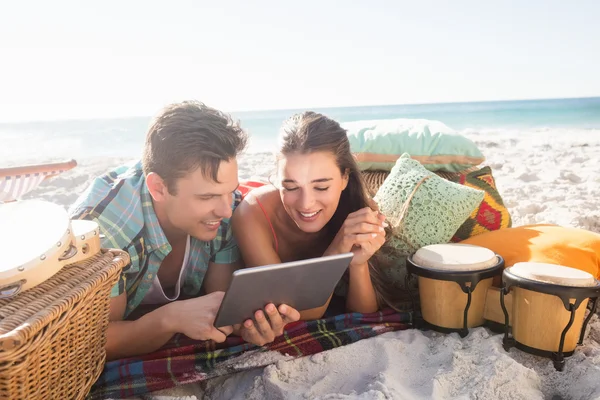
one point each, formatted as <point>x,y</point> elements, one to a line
<point>434,212</point>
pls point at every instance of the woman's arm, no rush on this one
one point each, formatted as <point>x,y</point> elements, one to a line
<point>255,240</point>
<point>363,234</point>
<point>361,294</point>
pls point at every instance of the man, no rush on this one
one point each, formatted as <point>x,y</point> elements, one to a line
<point>170,212</point>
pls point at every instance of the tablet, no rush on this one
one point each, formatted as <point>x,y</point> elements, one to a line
<point>303,285</point>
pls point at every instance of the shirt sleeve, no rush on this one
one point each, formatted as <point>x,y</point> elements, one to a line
<point>119,287</point>
<point>228,254</point>
<point>82,210</point>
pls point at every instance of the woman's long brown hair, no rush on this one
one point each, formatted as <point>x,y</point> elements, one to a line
<point>311,132</point>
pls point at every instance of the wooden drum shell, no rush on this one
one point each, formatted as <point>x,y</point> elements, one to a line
<point>443,303</point>
<point>448,275</point>
<point>538,320</point>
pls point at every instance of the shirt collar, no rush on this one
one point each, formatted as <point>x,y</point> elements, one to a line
<point>155,236</point>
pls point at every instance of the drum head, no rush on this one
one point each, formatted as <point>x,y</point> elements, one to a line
<point>455,257</point>
<point>30,229</point>
<point>82,228</point>
<point>554,274</point>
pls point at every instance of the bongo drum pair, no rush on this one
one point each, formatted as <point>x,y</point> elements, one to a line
<point>548,301</point>
<point>453,283</point>
<point>548,308</point>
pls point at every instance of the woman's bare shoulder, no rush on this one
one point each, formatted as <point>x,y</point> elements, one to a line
<point>267,195</point>
<point>251,227</point>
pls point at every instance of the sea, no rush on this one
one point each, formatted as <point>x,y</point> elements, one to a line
<point>124,137</point>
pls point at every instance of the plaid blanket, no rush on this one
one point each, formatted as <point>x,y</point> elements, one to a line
<point>183,360</point>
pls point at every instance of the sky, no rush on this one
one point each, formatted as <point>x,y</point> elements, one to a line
<point>73,59</point>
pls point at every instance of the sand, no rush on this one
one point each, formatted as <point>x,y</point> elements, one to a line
<point>543,177</point>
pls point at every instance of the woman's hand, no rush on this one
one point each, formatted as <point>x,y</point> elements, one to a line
<point>267,327</point>
<point>362,233</point>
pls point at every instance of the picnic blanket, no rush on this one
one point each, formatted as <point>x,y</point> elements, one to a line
<point>184,361</point>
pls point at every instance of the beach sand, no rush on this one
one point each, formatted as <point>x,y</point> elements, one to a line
<point>543,177</point>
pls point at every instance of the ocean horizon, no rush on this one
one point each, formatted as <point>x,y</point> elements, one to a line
<point>124,136</point>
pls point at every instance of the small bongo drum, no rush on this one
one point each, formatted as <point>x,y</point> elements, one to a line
<point>548,310</point>
<point>453,281</point>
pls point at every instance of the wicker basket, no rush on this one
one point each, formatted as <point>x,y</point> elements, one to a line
<point>374,179</point>
<point>52,336</point>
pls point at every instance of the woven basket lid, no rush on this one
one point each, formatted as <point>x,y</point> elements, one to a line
<point>552,273</point>
<point>455,257</point>
<point>373,180</point>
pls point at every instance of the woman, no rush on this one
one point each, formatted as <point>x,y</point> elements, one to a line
<point>316,206</point>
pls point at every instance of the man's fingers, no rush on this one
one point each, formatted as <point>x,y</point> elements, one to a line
<point>226,330</point>
<point>217,335</point>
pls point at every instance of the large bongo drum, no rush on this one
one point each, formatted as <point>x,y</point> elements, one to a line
<point>453,281</point>
<point>548,309</point>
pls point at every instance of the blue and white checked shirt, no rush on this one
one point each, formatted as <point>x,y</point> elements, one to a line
<point>120,203</point>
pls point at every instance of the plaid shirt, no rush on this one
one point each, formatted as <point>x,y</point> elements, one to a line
<point>120,203</point>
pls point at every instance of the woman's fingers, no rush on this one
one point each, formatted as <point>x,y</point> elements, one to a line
<point>364,227</point>
<point>359,226</point>
<point>263,326</point>
<point>366,215</point>
<point>275,319</point>
<point>361,238</point>
<point>362,211</point>
<point>290,314</point>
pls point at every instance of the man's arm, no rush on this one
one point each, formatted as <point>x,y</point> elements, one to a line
<point>194,318</point>
<point>142,336</point>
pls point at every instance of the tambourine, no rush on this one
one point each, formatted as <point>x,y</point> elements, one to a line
<point>37,239</point>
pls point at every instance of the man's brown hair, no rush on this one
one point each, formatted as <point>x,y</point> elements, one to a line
<point>189,135</point>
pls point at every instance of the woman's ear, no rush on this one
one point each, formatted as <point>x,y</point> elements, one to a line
<point>157,187</point>
<point>345,178</point>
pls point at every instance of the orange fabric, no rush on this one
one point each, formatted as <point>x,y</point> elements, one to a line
<point>247,186</point>
<point>571,247</point>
